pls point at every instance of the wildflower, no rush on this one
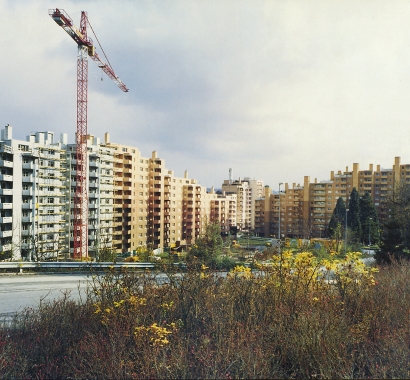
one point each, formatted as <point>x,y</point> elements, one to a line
<point>135,301</point>
<point>167,306</point>
<point>242,271</point>
<point>118,304</point>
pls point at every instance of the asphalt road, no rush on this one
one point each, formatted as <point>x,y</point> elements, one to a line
<point>28,290</point>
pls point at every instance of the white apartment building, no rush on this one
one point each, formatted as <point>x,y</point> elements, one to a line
<point>244,201</point>
<point>33,196</point>
<point>256,192</point>
<point>133,201</point>
<point>100,187</point>
<point>223,210</point>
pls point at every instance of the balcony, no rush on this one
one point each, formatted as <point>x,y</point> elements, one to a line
<point>6,219</point>
<point>5,247</point>
<point>6,206</point>
<point>7,164</point>
<point>6,192</point>
<point>8,177</point>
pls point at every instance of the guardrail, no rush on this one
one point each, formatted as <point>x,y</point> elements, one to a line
<point>21,265</point>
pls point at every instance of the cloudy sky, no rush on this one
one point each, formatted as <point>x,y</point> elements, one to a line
<point>274,90</point>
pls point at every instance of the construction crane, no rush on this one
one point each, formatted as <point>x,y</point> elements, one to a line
<point>85,48</point>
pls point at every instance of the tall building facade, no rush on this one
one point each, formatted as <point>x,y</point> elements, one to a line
<point>33,196</point>
<point>135,201</point>
<point>100,185</point>
<point>306,210</point>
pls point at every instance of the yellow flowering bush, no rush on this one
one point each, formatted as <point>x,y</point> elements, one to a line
<point>351,275</point>
<point>302,273</point>
<point>241,271</point>
<point>157,334</point>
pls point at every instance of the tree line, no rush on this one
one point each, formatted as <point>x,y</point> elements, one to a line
<point>362,226</point>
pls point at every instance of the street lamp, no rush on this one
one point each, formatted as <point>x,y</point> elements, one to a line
<point>370,221</point>
<point>280,183</point>
<point>347,210</point>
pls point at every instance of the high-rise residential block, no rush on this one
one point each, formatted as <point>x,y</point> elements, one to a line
<point>33,196</point>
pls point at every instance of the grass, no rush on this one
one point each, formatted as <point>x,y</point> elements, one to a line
<point>273,323</point>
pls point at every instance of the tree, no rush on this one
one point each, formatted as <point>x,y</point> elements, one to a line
<point>103,249</point>
<point>369,220</point>
<point>337,222</point>
<point>338,217</point>
<point>353,216</point>
<point>395,240</point>
<point>207,246</point>
<point>391,244</point>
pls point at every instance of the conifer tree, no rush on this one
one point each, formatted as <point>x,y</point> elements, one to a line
<point>369,220</point>
<point>395,240</point>
<point>353,216</point>
<point>338,216</point>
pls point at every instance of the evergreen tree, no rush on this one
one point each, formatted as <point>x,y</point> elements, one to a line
<point>338,217</point>
<point>368,220</point>
<point>391,244</point>
<point>395,240</point>
<point>353,216</point>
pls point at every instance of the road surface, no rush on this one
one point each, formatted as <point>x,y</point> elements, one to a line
<point>27,290</point>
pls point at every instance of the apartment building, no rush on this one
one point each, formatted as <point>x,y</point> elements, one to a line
<point>153,207</point>
<point>100,186</point>
<point>223,210</point>
<point>131,196</point>
<point>244,204</point>
<point>33,196</point>
<point>306,210</point>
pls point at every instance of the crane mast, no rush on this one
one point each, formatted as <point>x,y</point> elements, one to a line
<point>85,49</point>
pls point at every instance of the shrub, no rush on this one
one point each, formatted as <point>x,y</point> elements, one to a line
<point>298,317</point>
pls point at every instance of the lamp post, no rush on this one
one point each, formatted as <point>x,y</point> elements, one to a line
<point>280,183</point>
<point>347,210</point>
<point>370,221</point>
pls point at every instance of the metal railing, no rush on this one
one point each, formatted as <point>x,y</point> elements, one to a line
<point>21,265</point>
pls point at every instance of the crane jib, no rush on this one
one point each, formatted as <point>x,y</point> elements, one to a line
<point>80,219</point>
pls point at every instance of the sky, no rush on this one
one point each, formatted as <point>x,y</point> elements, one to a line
<point>275,90</point>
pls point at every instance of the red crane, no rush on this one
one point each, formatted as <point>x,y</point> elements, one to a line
<point>85,49</point>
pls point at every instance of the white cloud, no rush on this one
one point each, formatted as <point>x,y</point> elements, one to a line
<point>276,90</point>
